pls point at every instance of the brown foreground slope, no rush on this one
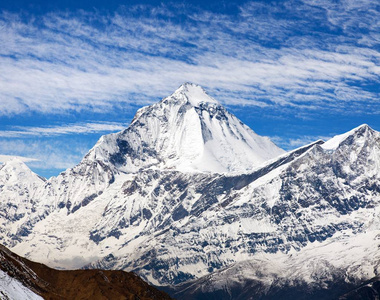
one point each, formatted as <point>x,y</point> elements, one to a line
<point>77,284</point>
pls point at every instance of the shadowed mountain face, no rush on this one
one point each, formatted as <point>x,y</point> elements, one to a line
<point>77,284</point>
<point>367,290</point>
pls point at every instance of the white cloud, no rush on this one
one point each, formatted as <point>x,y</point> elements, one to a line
<point>289,143</point>
<point>87,61</point>
<point>350,14</point>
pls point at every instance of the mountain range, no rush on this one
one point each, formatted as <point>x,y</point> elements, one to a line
<point>196,203</point>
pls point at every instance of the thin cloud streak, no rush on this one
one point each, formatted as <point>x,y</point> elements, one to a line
<point>293,143</point>
<point>45,154</point>
<point>85,128</point>
<point>5,158</point>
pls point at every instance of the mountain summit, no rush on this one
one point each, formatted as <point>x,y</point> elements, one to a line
<point>193,94</point>
<point>187,131</point>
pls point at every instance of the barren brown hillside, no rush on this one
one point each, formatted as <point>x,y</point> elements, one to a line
<point>77,284</point>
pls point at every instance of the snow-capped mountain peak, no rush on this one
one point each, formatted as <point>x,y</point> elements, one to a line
<point>187,131</point>
<point>16,171</point>
<point>193,94</point>
<point>361,131</point>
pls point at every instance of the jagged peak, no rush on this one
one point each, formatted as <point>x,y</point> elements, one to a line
<point>334,142</point>
<point>193,94</point>
<point>361,128</point>
<point>185,131</point>
<point>187,93</point>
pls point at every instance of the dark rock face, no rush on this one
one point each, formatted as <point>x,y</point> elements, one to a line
<point>118,158</point>
<point>255,290</point>
<point>369,290</point>
<point>84,202</point>
<point>332,285</point>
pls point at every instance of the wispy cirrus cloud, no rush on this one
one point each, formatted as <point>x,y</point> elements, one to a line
<point>351,16</point>
<point>53,155</point>
<point>5,158</point>
<point>297,54</point>
<point>81,128</point>
<point>51,149</point>
<point>292,143</point>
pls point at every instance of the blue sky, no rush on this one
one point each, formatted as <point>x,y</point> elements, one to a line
<point>71,71</point>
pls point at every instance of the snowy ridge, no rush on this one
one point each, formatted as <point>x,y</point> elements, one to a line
<point>339,253</point>
<point>15,171</point>
<point>282,276</point>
